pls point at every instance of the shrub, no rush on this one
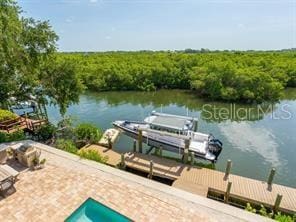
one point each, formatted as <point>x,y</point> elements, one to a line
<point>46,132</point>
<point>250,208</point>
<point>6,115</point>
<point>263,212</point>
<point>9,137</point>
<point>284,218</point>
<point>92,155</point>
<point>66,145</point>
<point>88,133</point>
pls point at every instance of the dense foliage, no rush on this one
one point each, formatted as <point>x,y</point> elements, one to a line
<point>66,145</point>
<point>6,115</point>
<point>9,137</point>
<point>46,132</point>
<point>230,76</point>
<point>69,146</point>
<point>28,64</point>
<point>92,155</point>
<point>88,133</point>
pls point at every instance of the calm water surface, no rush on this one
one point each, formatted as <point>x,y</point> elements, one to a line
<point>254,138</point>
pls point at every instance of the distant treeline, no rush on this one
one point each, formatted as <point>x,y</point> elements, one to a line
<point>231,76</point>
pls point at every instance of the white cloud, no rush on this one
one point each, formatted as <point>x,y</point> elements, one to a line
<point>93,1</point>
<point>69,20</point>
<point>241,26</point>
<point>107,37</point>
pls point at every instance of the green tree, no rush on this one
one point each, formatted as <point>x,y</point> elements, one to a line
<point>27,58</point>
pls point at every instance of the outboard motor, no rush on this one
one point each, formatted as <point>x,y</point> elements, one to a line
<point>215,147</point>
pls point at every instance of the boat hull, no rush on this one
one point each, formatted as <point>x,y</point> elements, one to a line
<point>133,133</point>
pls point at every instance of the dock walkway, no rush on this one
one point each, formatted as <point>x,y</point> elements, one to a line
<point>200,180</point>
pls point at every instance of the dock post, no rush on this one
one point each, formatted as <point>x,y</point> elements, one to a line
<point>191,158</point>
<point>228,168</point>
<point>160,151</point>
<point>226,198</point>
<point>140,139</point>
<point>135,146</point>
<point>109,143</point>
<point>277,202</point>
<point>26,119</point>
<point>151,169</point>
<point>122,162</point>
<point>186,150</point>
<point>195,125</point>
<point>271,176</point>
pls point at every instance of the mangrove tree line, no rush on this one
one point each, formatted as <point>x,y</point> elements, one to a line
<point>230,76</point>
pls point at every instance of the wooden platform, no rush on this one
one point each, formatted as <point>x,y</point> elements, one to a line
<point>199,180</point>
<point>162,167</point>
<point>21,123</point>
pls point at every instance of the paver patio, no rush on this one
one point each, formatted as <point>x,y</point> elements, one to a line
<point>53,193</point>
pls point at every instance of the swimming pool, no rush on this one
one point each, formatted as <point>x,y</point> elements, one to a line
<point>93,211</point>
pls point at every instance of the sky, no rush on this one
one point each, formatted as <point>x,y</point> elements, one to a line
<point>110,25</point>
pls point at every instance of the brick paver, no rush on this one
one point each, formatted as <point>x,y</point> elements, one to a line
<point>53,193</point>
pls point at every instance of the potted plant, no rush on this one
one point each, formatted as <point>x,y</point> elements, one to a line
<point>42,162</point>
<point>38,164</point>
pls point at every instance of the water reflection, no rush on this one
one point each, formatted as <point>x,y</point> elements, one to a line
<point>209,111</point>
<point>249,138</point>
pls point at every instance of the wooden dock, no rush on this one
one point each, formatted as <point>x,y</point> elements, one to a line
<point>200,180</point>
<point>161,167</point>
<point>21,123</point>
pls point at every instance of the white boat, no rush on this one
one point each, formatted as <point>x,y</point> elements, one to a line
<point>164,132</point>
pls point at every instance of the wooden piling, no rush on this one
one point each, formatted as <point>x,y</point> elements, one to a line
<point>228,168</point>
<point>140,139</point>
<point>277,202</point>
<point>191,158</point>
<point>195,125</point>
<point>227,193</point>
<point>135,146</point>
<point>160,151</point>
<point>271,176</point>
<point>122,162</point>
<point>150,170</point>
<point>186,150</point>
<point>110,145</point>
<point>26,119</point>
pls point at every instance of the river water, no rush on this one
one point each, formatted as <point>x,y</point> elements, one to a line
<point>256,138</point>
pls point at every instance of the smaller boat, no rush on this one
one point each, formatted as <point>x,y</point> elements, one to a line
<point>172,132</point>
<point>109,134</point>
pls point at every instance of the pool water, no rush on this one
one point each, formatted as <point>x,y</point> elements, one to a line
<point>93,211</point>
